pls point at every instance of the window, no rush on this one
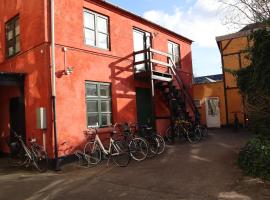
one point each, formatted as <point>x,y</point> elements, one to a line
<point>13,37</point>
<point>197,103</point>
<point>174,51</point>
<point>213,106</point>
<point>96,31</point>
<point>98,103</point>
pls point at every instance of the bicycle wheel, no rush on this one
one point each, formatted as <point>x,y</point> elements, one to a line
<point>204,131</point>
<point>92,153</point>
<point>138,149</point>
<point>168,135</point>
<point>18,160</point>
<point>161,144</point>
<point>39,159</point>
<point>120,153</point>
<point>194,135</point>
<point>153,145</point>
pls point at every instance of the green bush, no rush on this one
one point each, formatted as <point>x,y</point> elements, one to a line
<point>254,158</point>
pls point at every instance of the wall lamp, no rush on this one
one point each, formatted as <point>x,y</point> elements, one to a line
<point>67,70</point>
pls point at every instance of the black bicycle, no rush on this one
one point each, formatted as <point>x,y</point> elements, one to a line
<point>21,155</point>
<point>183,129</point>
<point>156,143</point>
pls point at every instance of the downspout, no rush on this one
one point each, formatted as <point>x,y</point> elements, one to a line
<point>56,159</point>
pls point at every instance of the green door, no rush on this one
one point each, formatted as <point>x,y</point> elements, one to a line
<point>144,105</point>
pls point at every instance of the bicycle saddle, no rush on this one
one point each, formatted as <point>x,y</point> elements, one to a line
<point>33,140</point>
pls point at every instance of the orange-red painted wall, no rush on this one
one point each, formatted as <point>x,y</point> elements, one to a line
<point>33,60</point>
<point>90,64</point>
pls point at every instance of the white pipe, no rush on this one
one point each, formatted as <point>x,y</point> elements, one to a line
<point>53,49</point>
<point>57,167</point>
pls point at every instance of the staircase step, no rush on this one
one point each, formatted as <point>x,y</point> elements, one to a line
<point>162,76</point>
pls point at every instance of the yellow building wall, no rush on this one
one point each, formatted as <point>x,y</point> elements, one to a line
<point>202,91</point>
<point>234,57</point>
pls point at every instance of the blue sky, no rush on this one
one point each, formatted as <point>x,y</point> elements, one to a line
<point>199,20</point>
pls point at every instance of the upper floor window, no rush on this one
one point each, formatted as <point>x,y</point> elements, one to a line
<point>13,37</point>
<point>96,30</point>
<point>174,51</point>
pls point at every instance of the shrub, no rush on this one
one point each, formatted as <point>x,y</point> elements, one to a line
<point>254,158</point>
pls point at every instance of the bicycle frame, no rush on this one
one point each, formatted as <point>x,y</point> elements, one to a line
<point>104,150</point>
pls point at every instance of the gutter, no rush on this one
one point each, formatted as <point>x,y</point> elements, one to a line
<point>56,159</point>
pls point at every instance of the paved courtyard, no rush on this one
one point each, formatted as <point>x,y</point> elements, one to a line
<point>204,171</point>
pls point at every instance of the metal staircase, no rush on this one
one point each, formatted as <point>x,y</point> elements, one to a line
<point>164,77</point>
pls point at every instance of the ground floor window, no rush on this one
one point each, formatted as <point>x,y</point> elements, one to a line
<point>98,102</point>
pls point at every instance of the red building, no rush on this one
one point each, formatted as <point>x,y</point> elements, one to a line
<point>99,77</point>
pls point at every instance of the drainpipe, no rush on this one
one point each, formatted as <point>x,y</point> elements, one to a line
<point>56,159</point>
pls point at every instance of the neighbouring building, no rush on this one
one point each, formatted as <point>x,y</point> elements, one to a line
<point>208,94</point>
<point>110,66</point>
<point>234,54</point>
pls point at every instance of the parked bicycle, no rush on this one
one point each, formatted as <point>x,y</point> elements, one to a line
<point>204,131</point>
<point>117,150</point>
<point>35,156</point>
<point>138,146</point>
<point>182,128</point>
<point>155,141</point>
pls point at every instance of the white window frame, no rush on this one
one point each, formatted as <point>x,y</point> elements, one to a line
<point>99,98</point>
<point>96,31</point>
<point>177,63</point>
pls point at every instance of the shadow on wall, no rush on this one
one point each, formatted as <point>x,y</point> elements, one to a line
<point>123,90</point>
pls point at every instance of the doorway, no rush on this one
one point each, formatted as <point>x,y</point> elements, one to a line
<point>144,106</point>
<point>141,41</point>
<point>212,112</point>
<point>12,106</point>
<point>17,116</point>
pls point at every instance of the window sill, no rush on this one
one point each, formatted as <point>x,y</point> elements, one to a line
<point>97,48</point>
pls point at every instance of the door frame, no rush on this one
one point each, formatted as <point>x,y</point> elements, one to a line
<point>144,33</point>
<point>16,79</point>
<point>150,102</point>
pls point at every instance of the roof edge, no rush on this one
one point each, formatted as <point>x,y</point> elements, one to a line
<point>105,3</point>
<point>233,35</point>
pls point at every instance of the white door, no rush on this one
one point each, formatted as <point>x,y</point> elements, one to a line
<point>212,112</point>
<point>141,40</point>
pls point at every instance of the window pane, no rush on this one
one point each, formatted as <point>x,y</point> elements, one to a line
<point>10,51</point>
<point>92,119</point>
<point>89,20</point>
<point>9,35</point>
<point>17,45</point>
<point>17,27</point>
<point>102,41</point>
<point>105,90</point>
<point>91,90</point>
<point>170,48</point>
<point>92,106</point>
<point>105,106</point>
<point>89,37</point>
<point>105,119</point>
<point>176,49</point>
<point>102,25</point>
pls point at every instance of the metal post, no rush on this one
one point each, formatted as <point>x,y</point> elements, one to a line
<point>152,90</point>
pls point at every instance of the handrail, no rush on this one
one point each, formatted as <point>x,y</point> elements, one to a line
<point>171,65</point>
<point>180,82</point>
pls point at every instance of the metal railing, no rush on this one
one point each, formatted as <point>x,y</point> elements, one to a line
<point>171,69</point>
